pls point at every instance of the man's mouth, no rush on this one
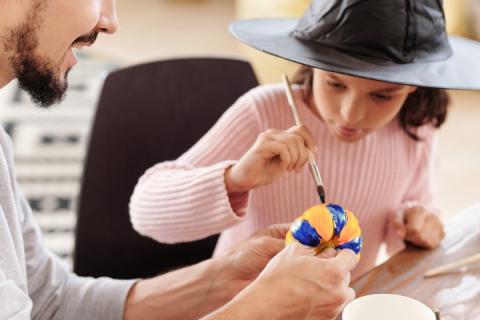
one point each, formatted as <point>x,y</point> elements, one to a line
<point>85,40</point>
<point>81,45</point>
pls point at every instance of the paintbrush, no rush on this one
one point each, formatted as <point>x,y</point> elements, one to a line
<point>311,159</point>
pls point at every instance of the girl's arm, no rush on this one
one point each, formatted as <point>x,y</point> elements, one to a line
<point>417,220</point>
<point>186,199</point>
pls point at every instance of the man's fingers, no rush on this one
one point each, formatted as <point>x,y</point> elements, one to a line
<point>273,246</point>
<point>300,249</point>
<point>327,253</point>
<point>350,297</point>
<point>347,259</point>
<point>278,231</point>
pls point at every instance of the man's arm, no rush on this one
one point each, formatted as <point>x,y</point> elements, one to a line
<point>59,294</point>
<point>187,293</point>
<point>15,304</point>
<point>295,284</point>
<point>192,292</point>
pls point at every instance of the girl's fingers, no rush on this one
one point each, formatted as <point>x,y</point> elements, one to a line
<point>307,136</point>
<point>414,221</point>
<point>434,231</point>
<point>294,142</point>
<point>431,234</point>
<point>292,148</point>
<point>419,239</point>
<point>399,229</point>
<point>423,228</point>
<point>289,140</point>
<point>302,152</point>
<point>281,150</point>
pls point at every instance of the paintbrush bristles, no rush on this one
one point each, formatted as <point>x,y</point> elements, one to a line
<point>321,193</point>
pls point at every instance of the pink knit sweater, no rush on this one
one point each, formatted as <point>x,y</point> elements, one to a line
<point>186,199</point>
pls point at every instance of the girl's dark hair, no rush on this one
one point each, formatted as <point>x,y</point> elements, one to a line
<point>425,105</point>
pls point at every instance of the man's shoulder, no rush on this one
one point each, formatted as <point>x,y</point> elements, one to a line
<point>5,142</point>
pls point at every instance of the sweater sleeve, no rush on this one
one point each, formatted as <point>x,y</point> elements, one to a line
<point>186,199</point>
<point>59,294</point>
<point>16,304</point>
<point>420,189</point>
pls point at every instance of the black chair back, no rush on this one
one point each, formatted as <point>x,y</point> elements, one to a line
<point>147,114</point>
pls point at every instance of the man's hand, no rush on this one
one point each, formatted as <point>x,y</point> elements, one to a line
<point>320,284</point>
<point>292,284</point>
<point>296,284</point>
<point>243,263</point>
<point>421,228</point>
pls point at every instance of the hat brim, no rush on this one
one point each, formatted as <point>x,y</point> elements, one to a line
<point>460,71</point>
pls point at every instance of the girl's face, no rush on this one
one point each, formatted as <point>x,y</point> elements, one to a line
<point>353,107</point>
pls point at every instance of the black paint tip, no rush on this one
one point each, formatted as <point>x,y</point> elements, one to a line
<point>321,193</point>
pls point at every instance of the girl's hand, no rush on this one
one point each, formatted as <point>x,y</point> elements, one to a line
<point>274,153</point>
<point>421,227</point>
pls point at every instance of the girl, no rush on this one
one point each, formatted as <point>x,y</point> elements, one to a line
<point>370,108</point>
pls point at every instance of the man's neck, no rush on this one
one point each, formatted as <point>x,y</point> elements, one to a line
<point>4,80</point>
<point>6,74</point>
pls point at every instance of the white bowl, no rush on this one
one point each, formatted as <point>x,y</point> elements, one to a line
<point>387,306</point>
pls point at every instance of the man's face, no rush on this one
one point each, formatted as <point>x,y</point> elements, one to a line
<point>39,42</point>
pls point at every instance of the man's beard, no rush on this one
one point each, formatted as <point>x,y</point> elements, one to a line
<point>40,80</point>
<point>38,76</point>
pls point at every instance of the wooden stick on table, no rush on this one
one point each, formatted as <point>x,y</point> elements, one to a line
<point>452,266</point>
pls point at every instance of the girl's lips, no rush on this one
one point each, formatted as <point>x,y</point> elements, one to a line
<point>347,132</point>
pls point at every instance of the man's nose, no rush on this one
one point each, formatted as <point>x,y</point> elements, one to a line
<point>108,22</point>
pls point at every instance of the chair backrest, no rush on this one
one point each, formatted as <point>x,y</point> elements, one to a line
<point>146,114</point>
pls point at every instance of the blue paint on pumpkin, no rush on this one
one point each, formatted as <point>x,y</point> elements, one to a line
<point>355,245</point>
<point>305,233</point>
<point>339,218</point>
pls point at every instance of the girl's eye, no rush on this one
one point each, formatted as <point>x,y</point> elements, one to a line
<point>336,85</point>
<point>381,96</point>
